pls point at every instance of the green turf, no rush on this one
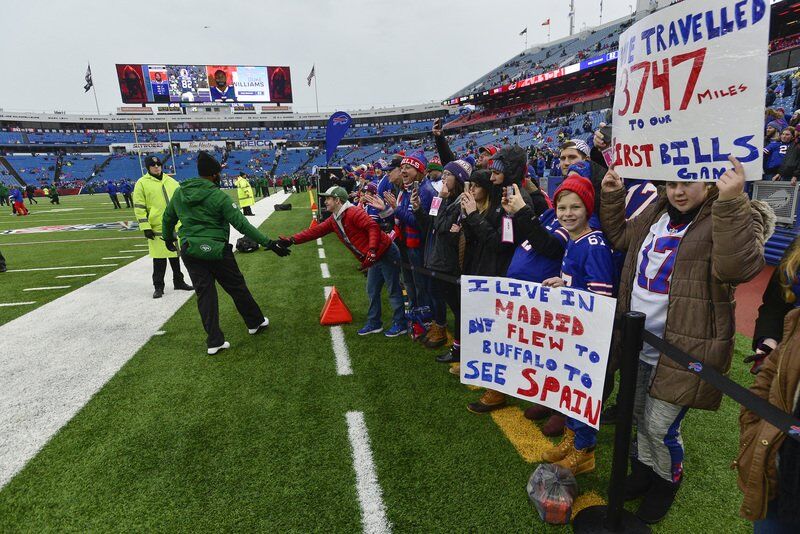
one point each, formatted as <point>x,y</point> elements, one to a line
<point>256,439</point>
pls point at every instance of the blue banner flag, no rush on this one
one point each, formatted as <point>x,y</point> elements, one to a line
<point>338,124</point>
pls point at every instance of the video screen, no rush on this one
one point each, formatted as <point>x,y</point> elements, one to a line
<point>159,84</point>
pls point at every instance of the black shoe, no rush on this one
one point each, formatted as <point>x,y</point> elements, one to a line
<point>3,268</point>
<point>451,356</point>
<point>609,415</point>
<point>658,500</point>
<point>158,293</point>
<point>183,286</point>
<point>639,481</point>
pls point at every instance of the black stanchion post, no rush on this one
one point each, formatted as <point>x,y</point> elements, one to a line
<point>613,517</point>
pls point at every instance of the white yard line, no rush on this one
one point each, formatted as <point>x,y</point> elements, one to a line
<point>117,257</point>
<point>44,384</point>
<point>325,272</point>
<point>321,252</point>
<point>7,304</point>
<point>45,288</point>
<point>61,268</point>
<point>138,251</point>
<point>44,242</point>
<point>76,275</point>
<point>340,352</point>
<point>319,241</point>
<point>370,497</point>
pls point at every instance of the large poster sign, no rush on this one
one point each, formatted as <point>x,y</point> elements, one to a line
<point>544,345</point>
<point>690,91</point>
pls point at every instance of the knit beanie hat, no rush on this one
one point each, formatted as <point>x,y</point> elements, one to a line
<point>416,160</point>
<point>435,164</point>
<point>774,125</point>
<point>580,186</point>
<point>207,165</point>
<point>581,146</point>
<point>459,168</point>
<point>482,178</point>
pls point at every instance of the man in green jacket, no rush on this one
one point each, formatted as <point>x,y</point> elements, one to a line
<point>206,214</point>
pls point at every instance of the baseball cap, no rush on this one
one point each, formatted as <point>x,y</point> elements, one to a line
<point>152,160</point>
<point>335,191</point>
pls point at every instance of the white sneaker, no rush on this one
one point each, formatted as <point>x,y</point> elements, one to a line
<point>214,350</point>
<point>256,330</point>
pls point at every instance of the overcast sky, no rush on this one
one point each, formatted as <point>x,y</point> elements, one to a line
<point>367,52</point>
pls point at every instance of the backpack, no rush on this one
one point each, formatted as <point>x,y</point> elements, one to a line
<point>245,244</point>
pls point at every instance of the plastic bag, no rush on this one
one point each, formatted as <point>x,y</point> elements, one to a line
<point>552,490</point>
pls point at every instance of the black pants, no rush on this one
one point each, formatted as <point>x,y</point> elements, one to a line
<point>3,200</point>
<point>265,190</point>
<point>2,261</point>
<point>32,200</point>
<point>160,268</point>
<point>128,200</point>
<point>115,201</point>
<point>204,275</point>
<point>452,296</point>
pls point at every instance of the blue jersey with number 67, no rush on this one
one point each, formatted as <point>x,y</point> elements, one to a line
<point>589,265</point>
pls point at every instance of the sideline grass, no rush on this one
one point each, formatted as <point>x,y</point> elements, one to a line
<point>256,440</point>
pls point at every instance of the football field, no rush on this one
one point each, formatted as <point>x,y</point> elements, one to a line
<point>302,428</point>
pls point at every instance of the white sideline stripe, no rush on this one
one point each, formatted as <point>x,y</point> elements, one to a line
<point>145,245</point>
<point>159,333</point>
<point>319,241</point>
<point>45,288</point>
<point>321,252</point>
<point>370,498</point>
<point>117,257</point>
<point>61,268</point>
<point>76,275</point>
<point>325,272</point>
<point>343,367</point>
<point>7,304</point>
<point>43,385</point>
<point>44,242</point>
<point>138,250</point>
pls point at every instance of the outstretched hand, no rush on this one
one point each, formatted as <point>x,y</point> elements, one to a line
<point>611,181</point>
<point>285,242</point>
<point>277,248</point>
<point>512,204</point>
<point>731,184</point>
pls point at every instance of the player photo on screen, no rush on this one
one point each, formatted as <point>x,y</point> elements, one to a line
<point>220,78</point>
<point>188,83</point>
<point>251,84</point>
<point>131,84</point>
<point>159,83</point>
<point>280,84</point>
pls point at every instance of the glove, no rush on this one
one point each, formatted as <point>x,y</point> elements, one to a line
<point>757,359</point>
<point>285,242</point>
<point>149,234</point>
<point>170,245</point>
<point>370,260</point>
<point>277,248</point>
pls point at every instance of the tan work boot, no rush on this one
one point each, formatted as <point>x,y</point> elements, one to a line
<point>491,400</point>
<point>560,451</point>
<point>579,461</point>
<point>436,336</point>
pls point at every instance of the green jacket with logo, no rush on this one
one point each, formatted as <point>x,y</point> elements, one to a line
<point>205,211</point>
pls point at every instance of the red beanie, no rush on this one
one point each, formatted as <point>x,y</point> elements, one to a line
<point>580,186</point>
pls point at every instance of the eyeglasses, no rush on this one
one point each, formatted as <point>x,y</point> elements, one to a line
<point>155,165</point>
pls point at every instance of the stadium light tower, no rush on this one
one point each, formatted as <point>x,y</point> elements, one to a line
<point>571,16</point>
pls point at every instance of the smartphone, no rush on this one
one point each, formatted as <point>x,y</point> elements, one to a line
<point>605,132</point>
<point>509,191</point>
<point>437,124</point>
<point>416,187</point>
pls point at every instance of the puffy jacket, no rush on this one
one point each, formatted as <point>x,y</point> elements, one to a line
<point>441,245</point>
<point>362,232</point>
<point>759,442</point>
<point>206,211</point>
<point>409,232</point>
<point>150,199</point>
<point>245,192</point>
<point>723,246</point>
<point>111,188</point>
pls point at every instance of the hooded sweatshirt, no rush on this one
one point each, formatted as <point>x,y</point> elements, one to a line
<point>205,211</point>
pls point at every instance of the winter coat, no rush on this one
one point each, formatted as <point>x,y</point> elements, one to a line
<point>441,245</point>
<point>759,442</point>
<point>722,247</point>
<point>362,232</point>
<point>150,199</point>
<point>409,233</point>
<point>245,192</point>
<point>205,211</point>
<point>791,164</point>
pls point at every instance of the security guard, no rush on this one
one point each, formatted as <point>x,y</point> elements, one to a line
<point>150,198</point>
<point>246,198</point>
<point>206,215</point>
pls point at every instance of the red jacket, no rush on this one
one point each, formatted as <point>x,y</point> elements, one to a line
<point>362,231</point>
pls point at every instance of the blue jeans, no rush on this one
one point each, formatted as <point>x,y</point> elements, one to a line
<point>585,436</point>
<point>387,271</point>
<point>771,524</point>
<point>422,284</point>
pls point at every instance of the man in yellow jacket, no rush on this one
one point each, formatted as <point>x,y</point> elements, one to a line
<point>151,195</point>
<point>246,197</point>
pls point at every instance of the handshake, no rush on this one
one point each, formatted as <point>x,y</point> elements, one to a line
<point>281,246</point>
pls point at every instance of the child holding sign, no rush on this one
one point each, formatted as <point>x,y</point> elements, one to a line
<point>588,265</point>
<point>689,249</point>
